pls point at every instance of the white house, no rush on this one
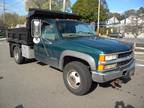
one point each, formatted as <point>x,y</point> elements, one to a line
<point>112,22</point>
<point>131,21</point>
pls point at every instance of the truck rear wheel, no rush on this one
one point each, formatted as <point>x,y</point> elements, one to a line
<point>19,59</point>
<point>77,78</point>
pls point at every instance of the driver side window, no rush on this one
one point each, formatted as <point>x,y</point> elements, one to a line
<point>48,31</point>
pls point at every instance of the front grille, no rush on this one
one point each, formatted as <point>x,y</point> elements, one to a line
<point>125,54</point>
<point>119,64</point>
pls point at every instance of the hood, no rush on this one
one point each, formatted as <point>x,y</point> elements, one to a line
<point>102,44</point>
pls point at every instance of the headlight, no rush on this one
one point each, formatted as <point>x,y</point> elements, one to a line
<point>104,58</point>
<point>110,57</point>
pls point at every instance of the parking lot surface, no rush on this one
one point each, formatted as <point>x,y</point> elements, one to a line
<point>35,85</point>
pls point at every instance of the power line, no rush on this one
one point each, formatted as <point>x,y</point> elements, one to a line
<point>5,6</point>
<point>10,7</point>
<point>16,3</point>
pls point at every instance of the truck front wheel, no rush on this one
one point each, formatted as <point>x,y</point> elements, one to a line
<point>77,78</point>
<point>19,59</point>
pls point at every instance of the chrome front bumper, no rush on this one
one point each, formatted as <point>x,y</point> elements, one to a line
<point>111,75</point>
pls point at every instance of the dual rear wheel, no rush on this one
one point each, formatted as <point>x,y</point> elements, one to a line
<point>17,53</point>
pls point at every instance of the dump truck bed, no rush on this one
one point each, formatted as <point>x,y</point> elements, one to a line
<point>20,36</point>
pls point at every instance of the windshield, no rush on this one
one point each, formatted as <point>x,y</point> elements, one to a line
<point>74,29</point>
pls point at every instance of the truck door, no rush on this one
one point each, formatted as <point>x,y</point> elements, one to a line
<point>43,50</point>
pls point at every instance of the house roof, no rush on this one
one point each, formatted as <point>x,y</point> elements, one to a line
<point>113,20</point>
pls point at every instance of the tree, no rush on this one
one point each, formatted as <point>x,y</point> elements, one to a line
<point>130,12</point>
<point>1,21</point>
<point>12,19</point>
<point>117,15</point>
<point>88,10</point>
<point>44,4</point>
<point>22,19</point>
<point>140,10</point>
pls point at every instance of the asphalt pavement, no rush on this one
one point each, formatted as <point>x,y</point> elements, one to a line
<point>35,85</point>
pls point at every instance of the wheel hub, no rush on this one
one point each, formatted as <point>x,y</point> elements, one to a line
<point>16,54</point>
<point>73,79</point>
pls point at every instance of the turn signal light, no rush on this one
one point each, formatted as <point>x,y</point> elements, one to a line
<point>100,67</point>
<point>102,58</point>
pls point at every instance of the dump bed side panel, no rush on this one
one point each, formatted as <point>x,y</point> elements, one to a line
<point>20,36</point>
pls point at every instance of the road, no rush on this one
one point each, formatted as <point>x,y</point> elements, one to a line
<point>35,85</point>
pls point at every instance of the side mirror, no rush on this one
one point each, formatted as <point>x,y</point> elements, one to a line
<point>36,28</point>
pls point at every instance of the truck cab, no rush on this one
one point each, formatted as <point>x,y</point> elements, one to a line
<point>62,41</point>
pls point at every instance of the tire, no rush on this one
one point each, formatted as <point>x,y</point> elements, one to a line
<point>77,78</point>
<point>19,59</point>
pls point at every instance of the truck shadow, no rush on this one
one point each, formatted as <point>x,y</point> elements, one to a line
<point>93,87</point>
<point>1,77</point>
<point>121,104</point>
<point>56,69</point>
<point>125,80</point>
<point>42,64</point>
<point>108,84</point>
<point>19,106</point>
<point>105,85</point>
<point>29,61</point>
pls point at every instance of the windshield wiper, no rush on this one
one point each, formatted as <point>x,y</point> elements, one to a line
<point>69,35</point>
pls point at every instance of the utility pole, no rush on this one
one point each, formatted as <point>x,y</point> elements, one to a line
<point>64,5</point>
<point>50,2</point>
<point>4,11</point>
<point>4,19</point>
<point>98,18</point>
